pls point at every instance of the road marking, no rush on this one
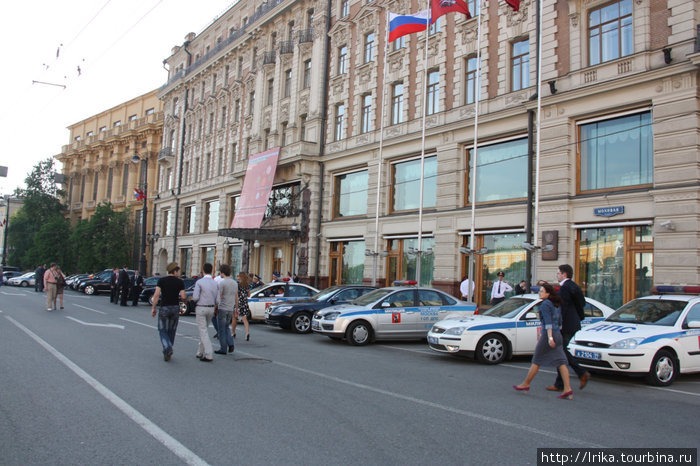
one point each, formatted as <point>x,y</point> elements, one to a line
<point>527,368</point>
<point>138,323</point>
<point>13,294</point>
<point>665,389</point>
<point>91,324</point>
<point>146,424</point>
<point>93,310</point>
<point>408,349</point>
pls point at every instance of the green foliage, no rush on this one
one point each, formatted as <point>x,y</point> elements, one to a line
<point>106,240</point>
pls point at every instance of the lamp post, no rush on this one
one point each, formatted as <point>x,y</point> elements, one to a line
<point>152,238</point>
<point>144,164</point>
<point>6,227</point>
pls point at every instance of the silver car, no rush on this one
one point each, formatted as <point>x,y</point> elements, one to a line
<point>23,280</point>
<point>392,313</point>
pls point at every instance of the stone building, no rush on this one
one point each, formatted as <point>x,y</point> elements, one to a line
<point>614,191</point>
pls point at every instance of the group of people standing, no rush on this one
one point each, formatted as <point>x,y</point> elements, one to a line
<point>53,281</point>
<point>123,286</point>
<point>221,300</point>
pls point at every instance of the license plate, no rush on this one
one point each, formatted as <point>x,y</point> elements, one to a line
<point>433,340</point>
<point>587,355</point>
<point>316,324</point>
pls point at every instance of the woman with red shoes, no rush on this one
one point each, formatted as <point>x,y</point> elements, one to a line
<point>549,350</point>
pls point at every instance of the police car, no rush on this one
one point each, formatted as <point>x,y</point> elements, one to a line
<point>274,293</point>
<point>512,327</point>
<point>656,336</point>
<point>394,313</point>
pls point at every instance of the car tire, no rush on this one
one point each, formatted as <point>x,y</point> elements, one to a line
<point>359,333</point>
<point>89,290</point>
<point>492,349</point>
<point>663,370</point>
<point>24,284</point>
<point>301,323</point>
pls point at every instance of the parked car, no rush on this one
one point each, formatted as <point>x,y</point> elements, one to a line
<point>150,287</point>
<point>99,283</point>
<point>509,328</point>
<point>392,313</point>
<point>11,274</point>
<point>297,316</point>
<point>23,280</point>
<point>277,292</point>
<point>90,276</point>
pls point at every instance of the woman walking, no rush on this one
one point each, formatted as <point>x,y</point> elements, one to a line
<point>243,309</point>
<point>60,284</point>
<point>549,350</point>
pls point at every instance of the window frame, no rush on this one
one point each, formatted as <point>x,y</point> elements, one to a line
<point>392,179</point>
<point>336,192</point>
<point>397,104</point>
<point>517,61</point>
<point>619,29</point>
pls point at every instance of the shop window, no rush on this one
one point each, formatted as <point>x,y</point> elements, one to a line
<point>351,194</point>
<point>186,262</point>
<point>211,219</point>
<point>501,171</point>
<point>405,193</point>
<point>347,262</point>
<point>402,261</point>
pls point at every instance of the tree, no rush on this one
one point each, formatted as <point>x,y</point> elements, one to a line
<point>105,240</point>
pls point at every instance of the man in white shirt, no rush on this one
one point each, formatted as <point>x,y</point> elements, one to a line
<point>464,288</point>
<point>499,290</point>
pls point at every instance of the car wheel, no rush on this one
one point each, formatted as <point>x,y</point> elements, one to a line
<point>301,322</point>
<point>89,290</point>
<point>492,349</point>
<point>664,369</point>
<point>359,333</point>
<point>24,284</point>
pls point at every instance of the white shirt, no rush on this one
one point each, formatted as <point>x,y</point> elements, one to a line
<point>464,287</point>
<point>500,288</point>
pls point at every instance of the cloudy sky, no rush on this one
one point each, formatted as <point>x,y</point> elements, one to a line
<point>119,46</point>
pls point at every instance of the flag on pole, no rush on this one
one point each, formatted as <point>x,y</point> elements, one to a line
<point>401,25</point>
<point>140,196</point>
<point>441,7</point>
<point>514,4</point>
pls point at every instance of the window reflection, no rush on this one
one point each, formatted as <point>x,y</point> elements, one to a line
<point>601,259</point>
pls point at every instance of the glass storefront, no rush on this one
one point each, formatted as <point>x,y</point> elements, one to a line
<point>505,254</point>
<point>402,264</point>
<point>347,262</point>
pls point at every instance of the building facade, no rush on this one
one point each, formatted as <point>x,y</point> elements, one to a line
<point>99,162</point>
<point>614,190</point>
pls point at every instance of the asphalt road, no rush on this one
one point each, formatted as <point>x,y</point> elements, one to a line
<point>88,385</point>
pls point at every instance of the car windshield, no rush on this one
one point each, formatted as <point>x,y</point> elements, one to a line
<point>509,308</point>
<point>325,294</point>
<point>649,312</point>
<point>371,297</point>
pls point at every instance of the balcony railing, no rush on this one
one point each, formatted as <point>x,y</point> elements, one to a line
<point>287,46</point>
<point>165,154</point>
<point>307,35</point>
<point>269,58</point>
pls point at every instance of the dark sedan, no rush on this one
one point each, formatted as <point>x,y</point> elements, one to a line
<point>100,283</point>
<point>297,316</point>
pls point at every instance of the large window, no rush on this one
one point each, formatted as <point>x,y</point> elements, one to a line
<point>433,92</point>
<point>520,65</point>
<point>351,194</point>
<point>396,103</point>
<point>188,224</point>
<point>342,59</point>
<point>212,216</point>
<point>406,184</point>
<point>369,47</point>
<point>402,261</point>
<point>366,114</point>
<point>339,132</point>
<point>167,223</point>
<point>307,74</point>
<point>616,152</point>
<point>287,83</point>
<point>471,80</point>
<point>347,262</point>
<point>186,261</point>
<point>610,32</point>
<point>125,180</point>
<point>208,254</point>
<point>501,171</point>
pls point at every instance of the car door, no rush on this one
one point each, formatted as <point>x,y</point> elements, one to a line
<point>396,315</point>
<point>430,310</point>
<point>261,298</point>
<point>592,314</point>
<point>527,331</point>
<point>690,342</point>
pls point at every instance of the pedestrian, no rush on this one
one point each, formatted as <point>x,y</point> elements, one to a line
<point>136,287</point>
<point>206,295</point>
<point>123,284</point>
<point>50,281</point>
<point>549,350</point>
<point>499,290</point>
<point>243,310</point>
<point>39,278</point>
<point>169,290</point>
<point>215,321</point>
<point>464,288</point>
<point>60,285</point>
<point>521,288</point>
<point>572,314</point>
<point>113,289</point>
<point>228,305</point>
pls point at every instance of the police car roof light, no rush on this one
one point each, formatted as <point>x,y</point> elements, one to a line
<point>675,289</point>
<point>405,282</point>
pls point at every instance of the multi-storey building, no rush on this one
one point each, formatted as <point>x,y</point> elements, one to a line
<point>112,154</point>
<point>614,190</point>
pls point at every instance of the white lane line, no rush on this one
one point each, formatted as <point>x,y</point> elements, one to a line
<point>138,323</point>
<point>665,389</point>
<point>527,368</point>
<point>146,424</point>
<point>92,324</point>
<point>90,309</point>
<point>13,294</point>
<point>408,349</point>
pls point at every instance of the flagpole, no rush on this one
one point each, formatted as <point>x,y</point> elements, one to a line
<point>537,137</point>
<point>472,171</point>
<point>419,252</point>
<point>375,255</point>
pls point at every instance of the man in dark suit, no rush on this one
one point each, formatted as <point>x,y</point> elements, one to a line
<point>123,284</point>
<point>572,303</point>
<point>136,287</point>
<point>113,289</point>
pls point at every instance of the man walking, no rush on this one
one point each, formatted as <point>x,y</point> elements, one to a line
<point>228,303</point>
<point>123,285</point>
<point>499,290</point>
<point>168,289</point>
<point>572,303</point>
<point>206,295</point>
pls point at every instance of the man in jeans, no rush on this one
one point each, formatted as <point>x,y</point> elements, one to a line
<point>168,289</point>
<point>228,295</point>
<point>206,295</point>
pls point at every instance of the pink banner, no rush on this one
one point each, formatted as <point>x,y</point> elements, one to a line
<point>256,189</point>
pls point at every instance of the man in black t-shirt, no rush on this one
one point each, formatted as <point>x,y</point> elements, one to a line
<point>169,290</point>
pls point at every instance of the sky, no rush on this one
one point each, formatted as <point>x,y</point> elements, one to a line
<point>119,46</point>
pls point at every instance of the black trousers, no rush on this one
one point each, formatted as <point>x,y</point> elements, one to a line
<point>113,294</point>
<point>559,383</point>
<point>135,293</point>
<point>124,295</point>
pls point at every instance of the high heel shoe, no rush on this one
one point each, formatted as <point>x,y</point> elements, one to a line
<point>247,337</point>
<point>568,395</point>
<point>521,389</point>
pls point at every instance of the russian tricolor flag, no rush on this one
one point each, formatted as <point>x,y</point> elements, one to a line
<point>401,25</point>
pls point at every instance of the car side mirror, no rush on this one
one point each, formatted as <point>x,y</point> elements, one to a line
<point>530,316</point>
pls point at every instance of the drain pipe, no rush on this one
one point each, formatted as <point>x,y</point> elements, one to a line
<point>182,154</point>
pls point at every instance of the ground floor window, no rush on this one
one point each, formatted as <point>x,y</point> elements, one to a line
<point>186,261</point>
<point>615,264</point>
<point>347,262</point>
<point>234,257</point>
<point>209,255</point>
<point>402,260</point>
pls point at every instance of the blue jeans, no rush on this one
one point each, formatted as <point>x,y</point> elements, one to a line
<point>168,317</point>
<point>224,329</point>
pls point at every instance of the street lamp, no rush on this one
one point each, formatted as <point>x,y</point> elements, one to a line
<point>144,164</point>
<point>6,227</point>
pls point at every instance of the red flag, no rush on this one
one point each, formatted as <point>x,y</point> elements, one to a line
<point>514,4</point>
<point>441,7</point>
<point>140,196</point>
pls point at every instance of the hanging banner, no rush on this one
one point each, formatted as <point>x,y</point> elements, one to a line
<point>256,189</point>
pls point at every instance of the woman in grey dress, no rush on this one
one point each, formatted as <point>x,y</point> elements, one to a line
<point>549,350</point>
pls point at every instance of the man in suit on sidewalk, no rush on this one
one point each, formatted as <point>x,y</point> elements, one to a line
<point>123,284</point>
